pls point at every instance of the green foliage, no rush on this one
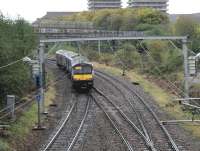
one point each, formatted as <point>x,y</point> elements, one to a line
<point>129,20</point>
<point>162,58</point>
<point>4,146</point>
<point>121,19</point>
<point>22,127</point>
<point>91,54</point>
<point>187,26</point>
<point>106,58</point>
<point>152,17</point>
<point>127,57</point>
<point>17,40</point>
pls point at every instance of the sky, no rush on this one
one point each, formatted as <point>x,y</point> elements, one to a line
<point>32,9</point>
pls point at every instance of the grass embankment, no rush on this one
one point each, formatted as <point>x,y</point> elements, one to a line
<point>19,130</point>
<point>163,99</point>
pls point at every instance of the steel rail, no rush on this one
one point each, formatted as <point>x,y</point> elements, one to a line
<point>173,144</point>
<point>146,136</point>
<point>60,129</point>
<point>114,125</point>
<point>80,127</point>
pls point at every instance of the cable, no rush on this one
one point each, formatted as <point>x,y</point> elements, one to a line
<point>14,62</point>
<point>179,48</point>
<point>54,47</point>
<point>172,43</point>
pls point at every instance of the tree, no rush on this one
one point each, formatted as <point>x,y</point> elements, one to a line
<point>121,19</point>
<point>128,57</point>
<point>16,41</point>
<point>186,26</point>
<point>162,58</point>
<point>152,16</point>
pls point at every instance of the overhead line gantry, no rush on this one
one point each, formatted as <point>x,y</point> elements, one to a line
<point>183,39</point>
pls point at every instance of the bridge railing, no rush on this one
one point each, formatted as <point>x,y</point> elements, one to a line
<point>92,34</point>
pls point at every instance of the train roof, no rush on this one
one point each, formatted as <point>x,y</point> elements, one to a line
<point>74,57</point>
<point>79,60</point>
<point>67,54</point>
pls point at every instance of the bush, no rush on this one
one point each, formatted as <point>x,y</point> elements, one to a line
<point>4,146</point>
<point>162,58</point>
<point>128,56</point>
<point>91,54</point>
<point>106,58</point>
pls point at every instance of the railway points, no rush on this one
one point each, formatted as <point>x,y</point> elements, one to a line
<point>161,127</point>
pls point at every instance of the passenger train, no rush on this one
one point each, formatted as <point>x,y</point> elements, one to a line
<point>78,68</point>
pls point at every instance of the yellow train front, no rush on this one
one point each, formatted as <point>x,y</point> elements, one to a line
<point>82,76</point>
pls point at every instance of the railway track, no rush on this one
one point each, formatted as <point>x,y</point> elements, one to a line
<point>139,118</point>
<point>122,124</point>
<point>66,134</point>
<point>145,119</point>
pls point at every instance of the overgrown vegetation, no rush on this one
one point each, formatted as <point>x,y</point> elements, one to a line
<point>20,129</point>
<point>17,40</point>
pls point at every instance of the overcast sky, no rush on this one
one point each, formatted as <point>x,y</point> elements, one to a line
<point>32,9</point>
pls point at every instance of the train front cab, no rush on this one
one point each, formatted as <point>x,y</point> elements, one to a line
<point>82,76</point>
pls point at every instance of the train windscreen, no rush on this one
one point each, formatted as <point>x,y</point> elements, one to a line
<point>86,69</point>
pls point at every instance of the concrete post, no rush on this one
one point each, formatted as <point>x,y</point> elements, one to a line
<point>11,105</point>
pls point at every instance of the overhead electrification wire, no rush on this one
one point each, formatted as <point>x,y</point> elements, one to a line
<point>172,43</point>
<point>54,47</point>
<point>14,62</point>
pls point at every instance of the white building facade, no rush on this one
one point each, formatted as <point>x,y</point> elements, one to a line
<point>156,4</point>
<point>104,4</point>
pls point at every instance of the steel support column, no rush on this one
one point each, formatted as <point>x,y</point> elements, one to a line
<point>41,62</point>
<point>186,72</point>
<point>99,47</point>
